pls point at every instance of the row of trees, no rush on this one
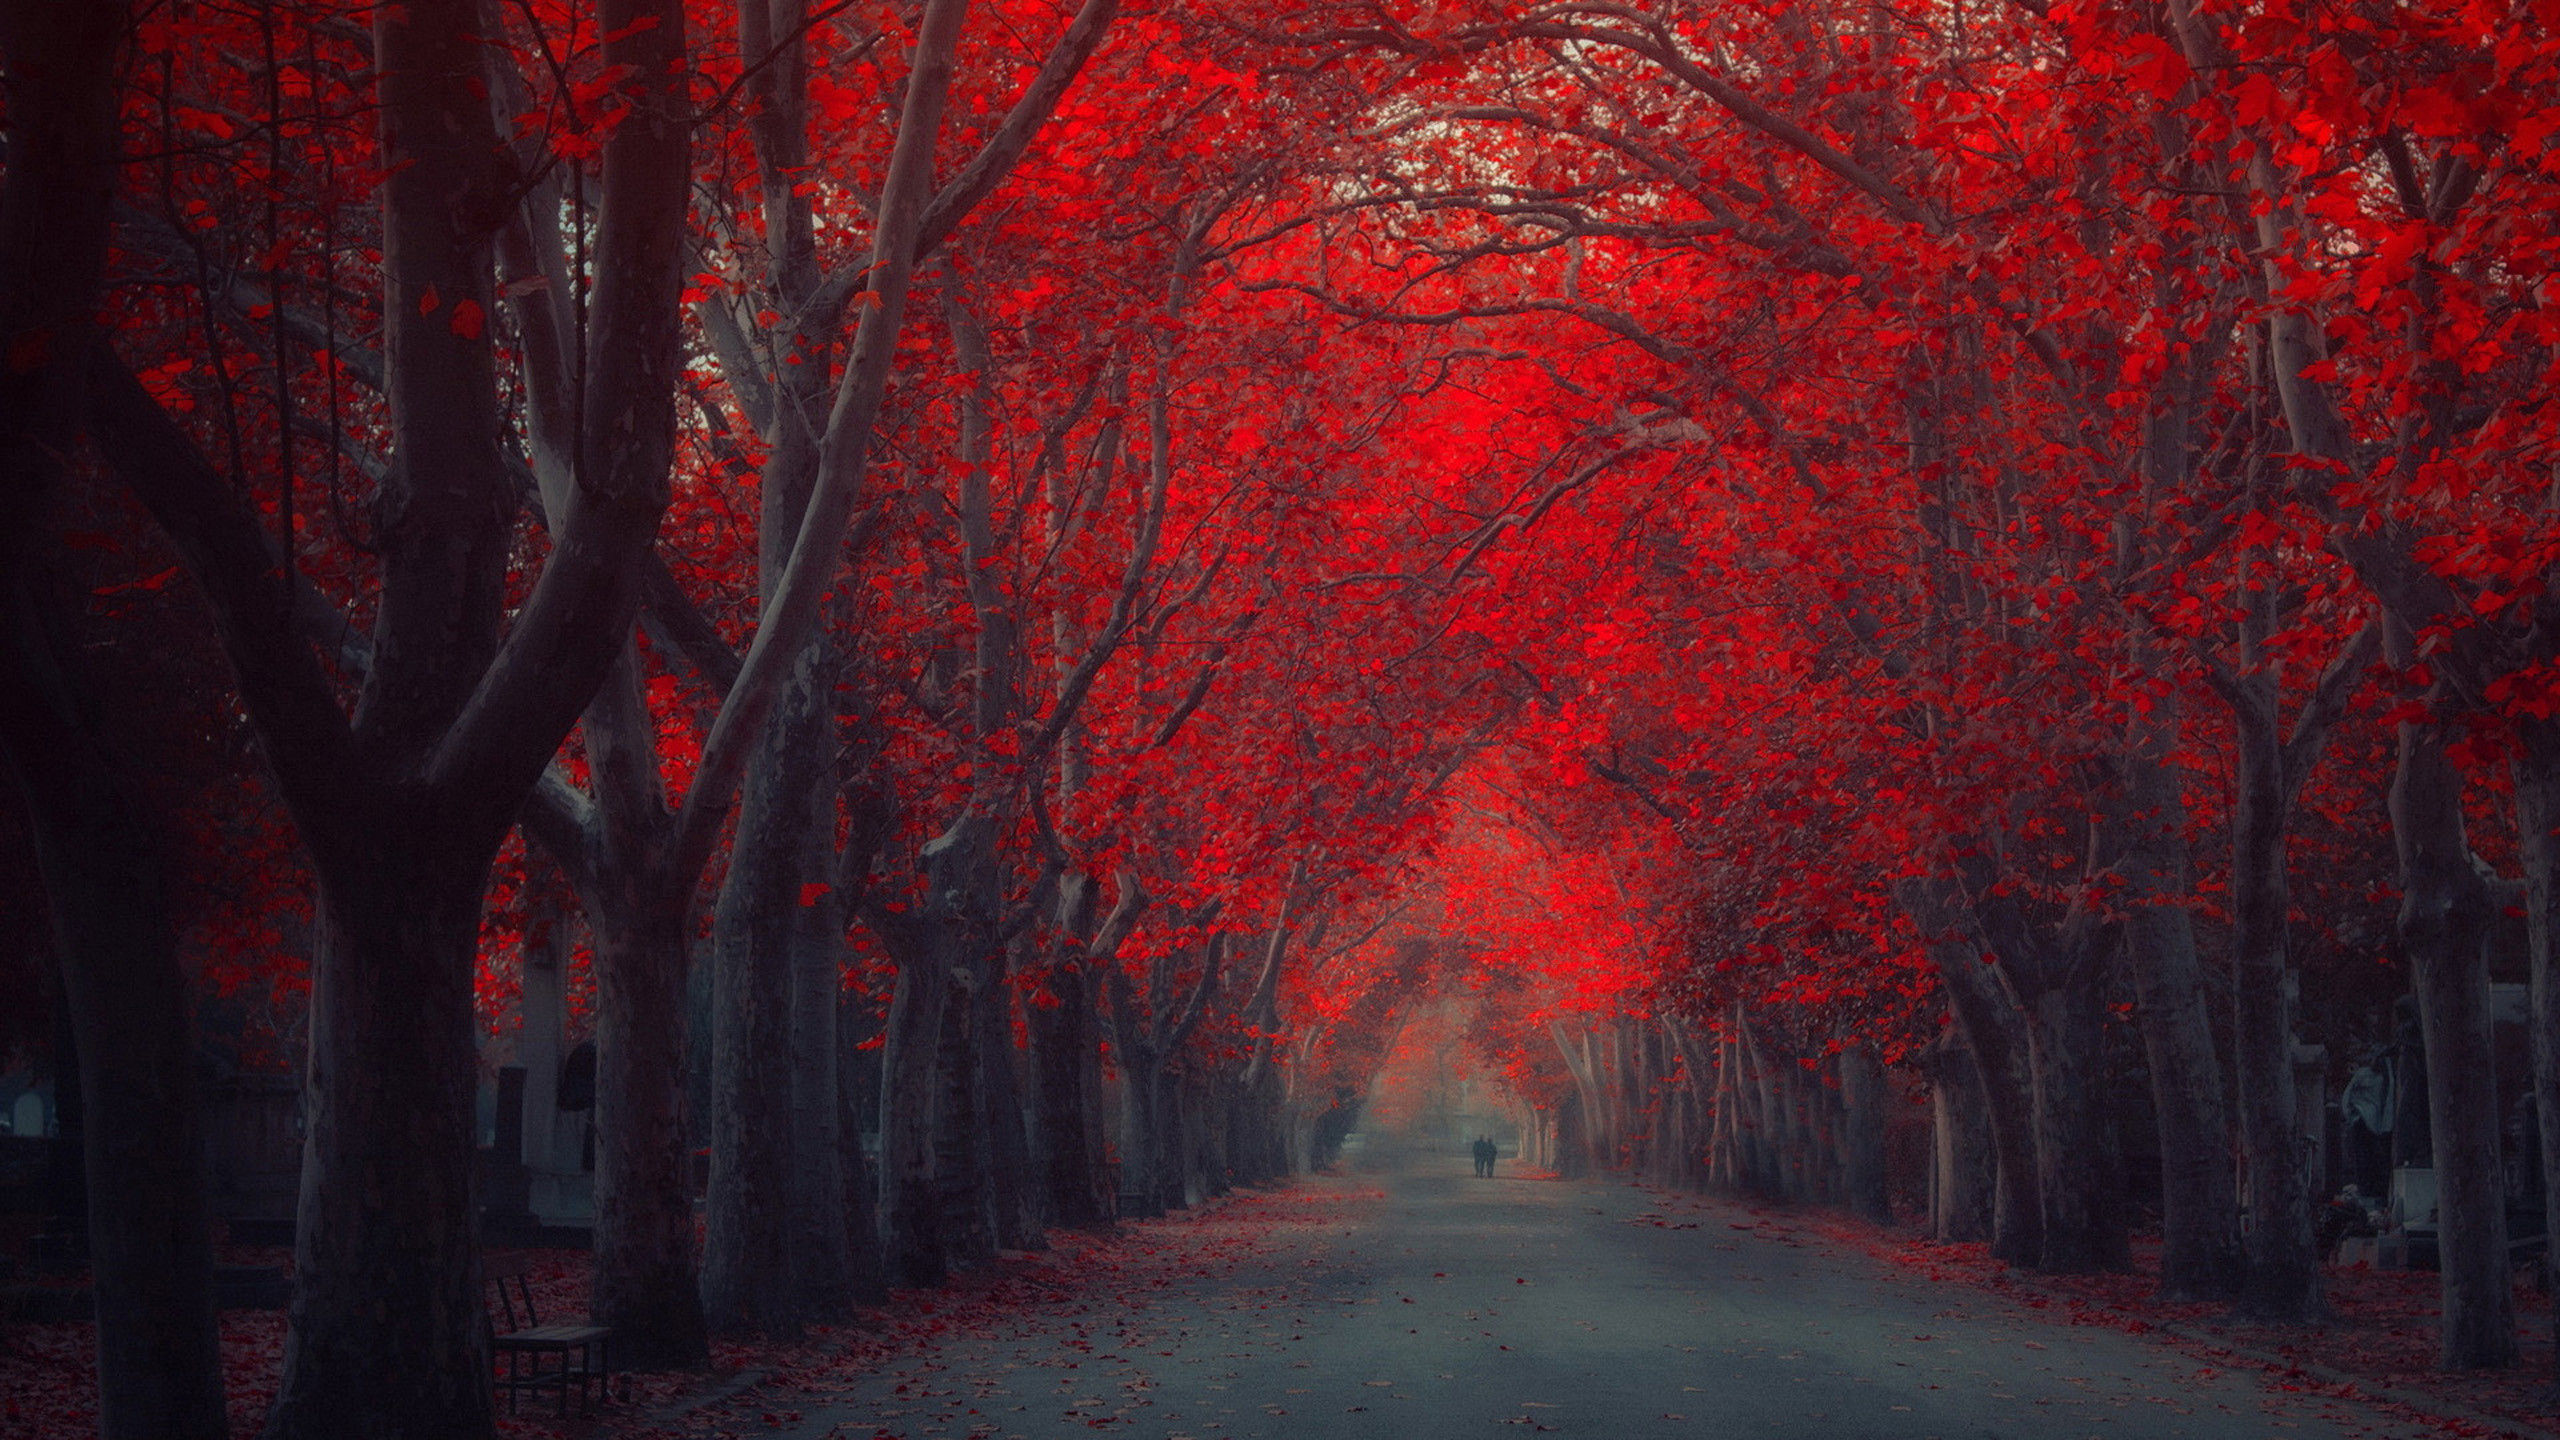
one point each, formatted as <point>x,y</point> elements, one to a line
<point>457,355</point>
<point>1784,521</point>
<point>2039,433</point>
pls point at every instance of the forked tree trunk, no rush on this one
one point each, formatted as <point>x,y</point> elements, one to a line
<point>646,1284</point>
<point>2283,1263</point>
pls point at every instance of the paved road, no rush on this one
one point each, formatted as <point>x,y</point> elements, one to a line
<point>1454,1307</point>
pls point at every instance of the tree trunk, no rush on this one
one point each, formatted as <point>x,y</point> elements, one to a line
<point>1863,1097</point>
<point>2536,768</point>
<point>646,1286</point>
<point>2066,1035</point>
<point>1012,1192</point>
<point>960,1144</point>
<point>752,1275</point>
<point>2283,1274</point>
<point>1063,1037</point>
<point>857,1077</point>
<point>387,1208</point>
<point>1724,1161</point>
<point>2200,1245</point>
<point>2283,1271</point>
<point>1764,1133</point>
<point>2444,909</point>
<point>1591,1129</point>
<point>150,1241</point>
<point>1962,1169</point>
<point>1096,1128</point>
<point>158,1365</point>
<point>1170,1143</point>
<point>1995,1036</point>
<point>911,1244</point>
<point>1141,1136</point>
<point>821,1242</point>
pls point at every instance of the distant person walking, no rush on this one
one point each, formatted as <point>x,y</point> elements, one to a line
<point>1485,1155</point>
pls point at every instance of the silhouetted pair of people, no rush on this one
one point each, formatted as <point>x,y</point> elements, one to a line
<point>1486,1153</point>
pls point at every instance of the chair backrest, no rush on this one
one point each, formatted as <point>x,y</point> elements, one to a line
<point>513,1296</point>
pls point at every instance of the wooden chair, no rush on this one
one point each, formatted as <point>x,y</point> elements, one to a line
<point>543,1357</point>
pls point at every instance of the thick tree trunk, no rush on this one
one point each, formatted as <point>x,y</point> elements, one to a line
<point>2200,1243</point>
<point>466,695</point>
<point>1302,1141</point>
<point>752,1275</point>
<point>158,1367</point>
<point>1063,1037</point>
<point>646,1286</point>
<point>2083,1228</point>
<point>1800,1151</point>
<point>2445,906</point>
<point>911,1243</point>
<point>1201,1121</point>
<point>960,1145</point>
<point>387,1208</point>
<point>821,1239</point>
<point>150,1242</point>
<point>2283,1270</point>
<point>1012,1194</point>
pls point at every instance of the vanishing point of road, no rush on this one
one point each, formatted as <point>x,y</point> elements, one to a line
<point>1426,1304</point>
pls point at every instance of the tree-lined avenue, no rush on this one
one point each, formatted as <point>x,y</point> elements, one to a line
<point>1011,606</point>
